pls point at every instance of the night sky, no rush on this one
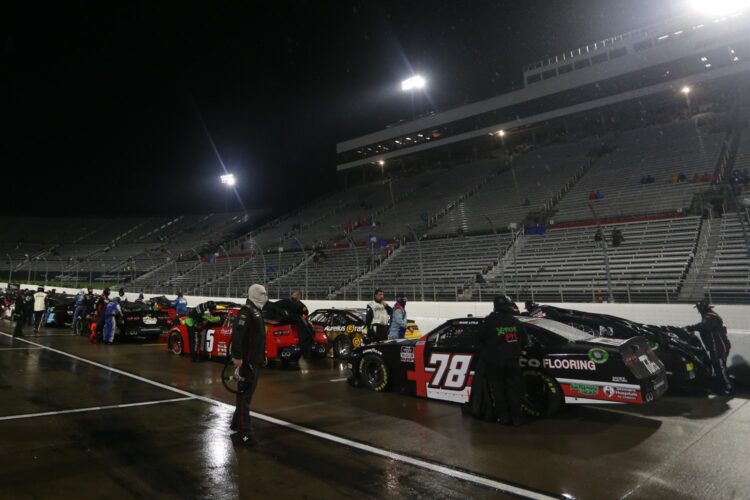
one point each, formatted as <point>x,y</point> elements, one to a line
<point>108,108</point>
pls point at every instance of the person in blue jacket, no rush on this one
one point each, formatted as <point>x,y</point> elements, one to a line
<point>112,315</point>
<point>180,305</point>
<point>80,296</point>
<point>398,326</point>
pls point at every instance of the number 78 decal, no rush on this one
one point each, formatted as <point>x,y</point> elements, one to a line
<point>450,370</point>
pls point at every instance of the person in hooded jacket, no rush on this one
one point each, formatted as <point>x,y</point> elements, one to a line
<point>713,333</point>
<point>248,355</point>
<point>399,324</point>
<point>501,340</point>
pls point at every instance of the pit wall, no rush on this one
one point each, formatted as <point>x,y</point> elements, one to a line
<point>428,315</point>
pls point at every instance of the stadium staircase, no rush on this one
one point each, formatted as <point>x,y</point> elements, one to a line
<point>699,269</point>
<point>473,291</point>
<point>350,289</point>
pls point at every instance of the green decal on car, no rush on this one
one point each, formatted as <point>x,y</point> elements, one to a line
<point>598,356</point>
<point>654,345</point>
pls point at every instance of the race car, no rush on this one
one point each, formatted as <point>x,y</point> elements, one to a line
<point>138,320</point>
<point>162,303</point>
<point>560,365</point>
<point>681,352</point>
<point>60,311</point>
<point>329,324</point>
<point>282,338</point>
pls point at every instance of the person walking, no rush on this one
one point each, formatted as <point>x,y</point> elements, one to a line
<point>112,317</point>
<point>248,355</point>
<point>378,317</point>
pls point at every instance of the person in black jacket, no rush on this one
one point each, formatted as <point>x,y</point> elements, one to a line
<point>248,354</point>
<point>501,340</point>
<point>713,333</point>
<point>19,314</point>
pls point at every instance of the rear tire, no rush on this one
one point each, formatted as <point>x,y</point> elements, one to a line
<point>373,373</point>
<point>342,346</point>
<point>542,396</point>
<point>176,344</point>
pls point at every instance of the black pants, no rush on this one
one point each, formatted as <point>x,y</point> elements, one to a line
<point>18,331</point>
<point>506,387</point>
<point>241,417</point>
<point>718,351</point>
<point>378,333</point>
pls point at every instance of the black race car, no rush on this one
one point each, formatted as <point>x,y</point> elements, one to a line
<point>681,352</point>
<point>60,310</point>
<point>138,320</point>
<point>561,365</point>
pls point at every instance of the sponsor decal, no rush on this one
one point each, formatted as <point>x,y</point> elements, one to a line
<point>598,356</point>
<point>149,320</point>
<point>509,333</point>
<point>584,390</point>
<point>653,344</point>
<point>569,364</point>
<point>621,393</point>
<point>349,328</point>
<point>372,350</point>
<point>620,379</point>
<point>530,362</point>
<point>282,332</point>
<point>344,329</point>
<point>407,354</point>
<point>221,348</point>
<point>652,367</point>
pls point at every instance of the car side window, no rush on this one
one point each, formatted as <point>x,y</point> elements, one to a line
<point>455,337</point>
<point>338,319</point>
<point>318,317</point>
<point>543,338</point>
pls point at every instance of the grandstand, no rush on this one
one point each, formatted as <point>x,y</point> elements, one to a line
<point>494,196</point>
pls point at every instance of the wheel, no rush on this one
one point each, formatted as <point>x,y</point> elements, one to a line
<point>543,397</point>
<point>342,346</point>
<point>373,373</point>
<point>176,344</point>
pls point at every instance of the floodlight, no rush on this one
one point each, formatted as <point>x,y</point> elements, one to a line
<point>719,7</point>
<point>500,133</point>
<point>381,162</point>
<point>415,82</point>
<point>686,90</point>
<point>228,179</point>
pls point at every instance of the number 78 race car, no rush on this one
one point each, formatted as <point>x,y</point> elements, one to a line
<point>561,365</point>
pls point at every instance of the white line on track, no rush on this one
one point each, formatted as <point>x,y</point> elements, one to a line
<point>416,462</point>
<point>18,348</point>
<point>337,379</point>
<point>94,408</point>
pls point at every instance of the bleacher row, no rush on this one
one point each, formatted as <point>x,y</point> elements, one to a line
<point>363,237</point>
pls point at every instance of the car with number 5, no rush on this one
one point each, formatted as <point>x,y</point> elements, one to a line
<point>561,365</point>
<point>282,338</point>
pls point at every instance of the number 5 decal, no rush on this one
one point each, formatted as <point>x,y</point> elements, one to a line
<point>210,341</point>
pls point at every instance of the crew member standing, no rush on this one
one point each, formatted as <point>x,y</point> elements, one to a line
<point>180,305</point>
<point>80,296</point>
<point>19,314</point>
<point>399,324</point>
<point>298,308</point>
<point>112,316</point>
<point>378,316</point>
<point>40,305</point>
<point>99,308</point>
<point>248,354</point>
<point>500,343</point>
<point>714,336</point>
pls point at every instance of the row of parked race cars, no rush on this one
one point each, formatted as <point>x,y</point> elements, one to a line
<point>573,357</point>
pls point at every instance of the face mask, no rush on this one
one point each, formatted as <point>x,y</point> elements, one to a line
<point>257,295</point>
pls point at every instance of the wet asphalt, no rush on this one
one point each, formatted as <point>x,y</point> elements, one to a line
<point>72,429</point>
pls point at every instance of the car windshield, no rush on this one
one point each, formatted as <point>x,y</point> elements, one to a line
<point>561,329</point>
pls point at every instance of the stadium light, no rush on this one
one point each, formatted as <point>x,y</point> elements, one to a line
<point>500,133</point>
<point>719,7</point>
<point>686,90</point>
<point>415,82</point>
<point>381,162</point>
<point>228,180</point>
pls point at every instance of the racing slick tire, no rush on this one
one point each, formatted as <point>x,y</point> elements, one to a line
<point>542,396</point>
<point>342,347</point>
<point>176,344</point>
<point>373,373</point>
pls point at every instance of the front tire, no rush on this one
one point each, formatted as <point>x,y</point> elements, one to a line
<point>342,347</point>
<point>373,373</point>
<point>542,396</point>
<point>176,344</point>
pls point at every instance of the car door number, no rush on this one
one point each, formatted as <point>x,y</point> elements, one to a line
<point>450,370</point>
<point>210,340</point>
